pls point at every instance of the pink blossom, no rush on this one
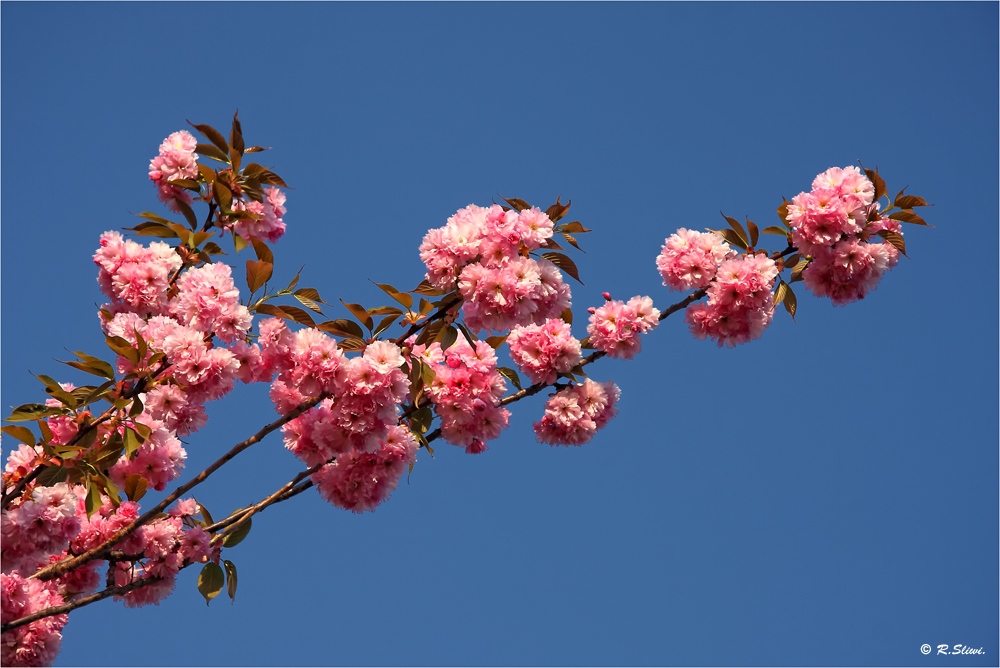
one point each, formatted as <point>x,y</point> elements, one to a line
<point>544,351</point>
<point>37,643</point>
<point>689,259</point>
<point>574,414</point>
<point>615,327</point>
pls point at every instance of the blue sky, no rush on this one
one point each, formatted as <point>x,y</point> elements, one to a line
<point>824,496</point>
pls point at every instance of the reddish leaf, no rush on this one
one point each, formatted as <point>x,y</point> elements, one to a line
<point>564,263</point>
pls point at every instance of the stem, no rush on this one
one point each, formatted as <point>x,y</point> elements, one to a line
<point>68,564</point>
<point>441,312</point>
<point>79,603</point>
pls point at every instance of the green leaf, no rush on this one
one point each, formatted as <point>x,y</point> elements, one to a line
<point>123,348</point>
<point>420,420</point>
<point>187,212</point>
<point>447,336</point>
<point>779,294</point>
<point>223,196</point>
<point>213,248</point>
<point>585,344</point>
<point>53,389</point>
<point>22,434</point>
<point>136,409</point>
<point>235,538</point>
<point>731,236</point>
<point>510,375</point>
<point>52,475</point>
<point>105,457</point>
<point>565,263</point>
<point>783,212</point>
<point>132,443</point>
<point>790,302</point>
<point>93,502</point>
<point>797,271</point>
<point>211,580</point>
<point>262,250</point>
<point>96,363</point>
<point>26,412</point>
<point>142,430</point>
<point>774,229</point>
<point>401,297</point>
<point>239,243</point>
<point>230,579</point>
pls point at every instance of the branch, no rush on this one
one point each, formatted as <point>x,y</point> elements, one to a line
<point>68,564</point>
<point>79,603</point>
<point>441,312</point>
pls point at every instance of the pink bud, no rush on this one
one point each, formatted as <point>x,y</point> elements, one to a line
<point>155,176</point>
<point>513,238</point>
<point>454,362</point>
<point>606,295</point>
<point>591,310</point>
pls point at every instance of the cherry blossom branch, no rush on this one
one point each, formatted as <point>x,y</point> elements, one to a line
<point>440,313</point>
<point>68,564</point>
<point>137,388</point>
<point>79,603</point>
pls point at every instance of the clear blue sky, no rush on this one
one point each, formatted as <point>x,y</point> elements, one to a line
<point>826,495</point>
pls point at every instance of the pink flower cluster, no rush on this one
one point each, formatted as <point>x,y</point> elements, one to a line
<point>574,414</point>
<point>542,352</point>
<point>177,160</point>
<point>615,327</point>
<point>466,392</point>
<point>830,223</point>
<point>39,527</point>
<point>689,259</point>
<point>359,480</point>
<point>159,459</point>
<point>485,251</point>
<point>268,224</point>
<point>740,302</point>
<point>134,277</point>
<point>208,300</point>
<point>37,643</point>
<point>164,547</point>
<point>366,391</point>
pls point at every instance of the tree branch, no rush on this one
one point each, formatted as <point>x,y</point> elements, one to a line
<point>68,564</point>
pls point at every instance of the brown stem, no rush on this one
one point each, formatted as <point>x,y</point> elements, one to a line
<point>68,564</point>
<point>79,603</point>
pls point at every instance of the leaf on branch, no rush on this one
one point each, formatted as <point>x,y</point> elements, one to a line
<point>565,263</point>
<point>258,273</point>
<point>210,151</point>
<point>779,294</point>
<point>153,230</point>
<point>496,341</point>
<point>797,270</point>
<point>402,297</point>
<point>551,244</point>
<point>573,228</point>
<point>783,212</point>
<point>298,315</point>
<point>230,579</point>
<point>235,538</point>
<point>730,236</point>
<point>26,412</point>
<point>309,304</point>
<point>211,580</point>
<point>223,196</point>
<point>236,142</point>
<point>754,232</point>
<point>385,323</point>
<point>880,187</point>
<point>558,210</point>
<point>310,293</point>
<point>447,337</point>
<point>894,238</point>
<point>361,313</point>
<point>270,178</point>
<point>135,487</point>
<point>909,201</point>
<point>273,311</point>
<point>341,327</point>
<point>213,136</point>
<point>510,375</point>
<point>774,229</point>
<point>22,434</point>
<point>353,345</point>
<point>517,204</point>
<point>261,249</point>
<point>425,288</point>
<point>740,232</point>
<point>213,248</point>
<point>908,217</point>
<point>257,149</point>
<point>585,344</point>
<point>52,475</point>
<point>567,316</point>
<point>571,239</point>
<point>790,302</point>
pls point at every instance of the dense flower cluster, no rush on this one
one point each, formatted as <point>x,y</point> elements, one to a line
<point>267,225</point>
<point>35,644</point>
<point>574,414</point>
<point>177,160</point>
<point>486,252</point>
<point>38,528</point>
<point>615,326</point>
<point>208,300</point>
<point>466,392</point>
<point>359,480</point>
<point>542,352</point>
<point>830,224</point>
<point>365,392</point>
<point>134,277</point>
<point>740,302</point>
<point>689,259</point>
